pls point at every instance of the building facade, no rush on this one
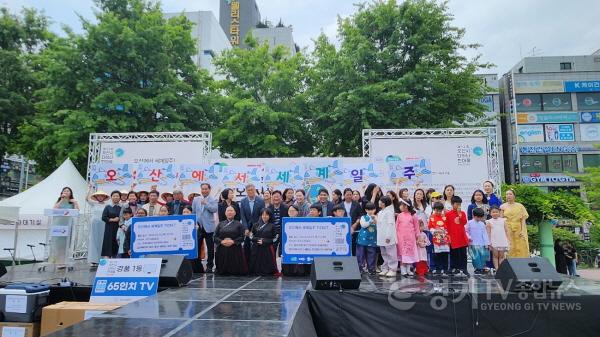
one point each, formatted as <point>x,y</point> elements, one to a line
<point>210,38</point>
<point>237,18</point>
<point>276,36</point>
<point>551,119</point>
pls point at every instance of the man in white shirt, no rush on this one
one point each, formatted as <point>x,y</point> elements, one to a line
<point>152,207</point>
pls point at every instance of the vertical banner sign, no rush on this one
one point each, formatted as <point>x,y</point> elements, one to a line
<point>234,26</point>
<point>174,234</point>
<point>125,280</point>
<point>303,239</point>
<point>322,174</point>
<point>280,177</point>
<point>109,177</point>
<point>162,177</point>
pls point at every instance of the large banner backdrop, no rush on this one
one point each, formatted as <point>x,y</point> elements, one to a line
<point>415,164</point>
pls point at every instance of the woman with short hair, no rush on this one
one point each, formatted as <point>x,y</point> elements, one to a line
<point>229,236</point>
<point>111,218</point>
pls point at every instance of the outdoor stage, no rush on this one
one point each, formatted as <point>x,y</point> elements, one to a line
<point>214,305</point>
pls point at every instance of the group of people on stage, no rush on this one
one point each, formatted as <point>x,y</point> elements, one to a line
<point>430,233</point>
<point>426,231</point>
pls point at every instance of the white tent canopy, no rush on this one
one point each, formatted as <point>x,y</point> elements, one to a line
<point>33,202</point>
<point>44,194</point>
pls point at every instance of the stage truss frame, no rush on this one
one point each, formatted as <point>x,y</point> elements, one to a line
<point>203,138</point>
<point>490,133</point>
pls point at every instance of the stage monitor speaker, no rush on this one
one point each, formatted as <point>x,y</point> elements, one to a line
<point>528,274</point>
<point>175,270</point>
<point>335,273</point>
<point>2,270</point>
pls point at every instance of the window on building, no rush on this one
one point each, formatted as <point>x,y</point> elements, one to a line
<point>588,100</point>
<point>565,66</point>
<point>569,189</point>
<point>557,163</point>
<point>533,164</point>
<point>569,163</point>
<point>591,160</point>
<point>560,102</point>
<point>529,102</point>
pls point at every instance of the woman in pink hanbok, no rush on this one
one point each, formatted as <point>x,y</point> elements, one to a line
<point>407,232</point>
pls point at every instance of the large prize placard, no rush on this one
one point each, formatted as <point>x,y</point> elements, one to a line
<point>125,280</point>
<point>303,239</point>
<point>175,234</point>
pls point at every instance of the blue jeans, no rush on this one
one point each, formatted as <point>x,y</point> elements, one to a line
<point>572,267</point>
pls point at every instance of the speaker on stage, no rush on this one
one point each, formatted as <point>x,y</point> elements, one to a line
<point>175,270</point>
<point>334,273</point>
<point>528,274</point>
<point>2,270</point>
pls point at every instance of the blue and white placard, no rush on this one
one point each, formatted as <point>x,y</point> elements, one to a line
<point>175,234</point>
<point>305,238</point>
<point>125,280</point>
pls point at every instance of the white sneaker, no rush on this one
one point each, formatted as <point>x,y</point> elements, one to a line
<point>383,273</point>
<point>391,274</point>
<point>410,273</point>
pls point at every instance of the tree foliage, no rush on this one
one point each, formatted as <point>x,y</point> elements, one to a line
<point>543,206</point>
<point>263,106</point>
<point>398,66</point>
<point>131,71</point>
<point>21,38</point>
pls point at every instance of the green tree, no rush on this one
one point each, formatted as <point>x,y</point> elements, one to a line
<point>130,71</point>
<point>543,206</point>
<point>21,38</point>
<point>398,66</point>
<point>263,107</point>
<point>591,183</point>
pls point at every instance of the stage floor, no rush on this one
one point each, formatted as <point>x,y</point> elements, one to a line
<point>212,305</point>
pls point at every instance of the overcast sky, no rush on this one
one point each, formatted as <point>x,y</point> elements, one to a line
<point>507,29</point>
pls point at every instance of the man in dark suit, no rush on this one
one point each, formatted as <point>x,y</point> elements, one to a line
<point>326,205</point>
<point>178,204</point>
<point>250,208</point>
<point>352,210</point>
<point>280,211</point>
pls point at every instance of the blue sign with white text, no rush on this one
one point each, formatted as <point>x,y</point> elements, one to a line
<point>125,280</point>
<point>548,149</point>
<point>305,238</point>
<point>590,117</point>
<point>169,235</point>
<point>582,86</point>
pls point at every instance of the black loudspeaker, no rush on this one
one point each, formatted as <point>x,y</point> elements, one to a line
<point>2,270</point>
<point>334,273</point>
<point>175,270</point>
<point>528,274</point>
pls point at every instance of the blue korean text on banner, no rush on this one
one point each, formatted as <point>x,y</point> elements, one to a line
<point>125,280</point>
<point>175,234</point>
<point>303,239</point>
<point>582,86</point>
